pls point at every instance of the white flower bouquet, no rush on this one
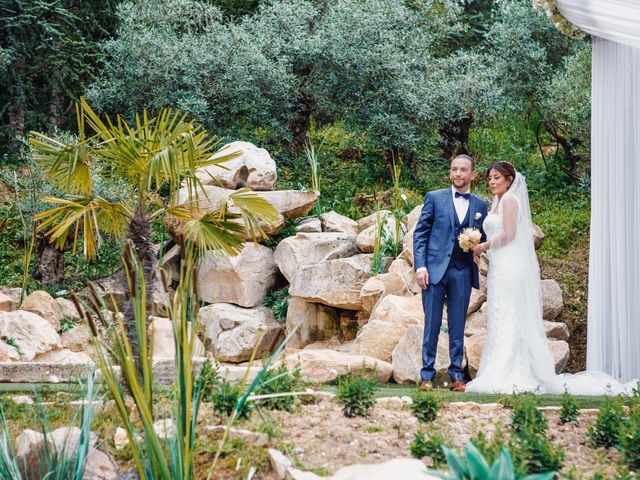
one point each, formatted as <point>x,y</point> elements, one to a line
<point>469,238</point>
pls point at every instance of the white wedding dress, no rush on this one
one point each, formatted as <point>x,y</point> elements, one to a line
<point>516,357</point>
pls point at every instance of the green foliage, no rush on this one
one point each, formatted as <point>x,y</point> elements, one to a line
<point>356,393</point>
<point>225,398</point>
<point>490,449</point>
<point>290,229</point>
<point>279,381</point>
<point>425,406</point>
<point>12,342</point>
<point>278,301</point>
<point>534,453</point>
<point>474,466</point>
<point>569,411</point>
<point>525,416</point>
<point>431,446</point>
<point>65,325</point>
<point>629,439</point>
<point>605,430</point>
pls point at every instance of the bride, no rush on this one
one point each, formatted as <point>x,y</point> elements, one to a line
<point>516,357</point>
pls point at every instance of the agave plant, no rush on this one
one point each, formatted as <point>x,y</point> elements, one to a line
<point>155,157</point>
<point>473,466</point>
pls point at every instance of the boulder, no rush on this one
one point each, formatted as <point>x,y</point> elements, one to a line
<point>163,342</point>
<point>377,339</point>
<point>68,309</point>
<point>560,351</point>
<point>165,428</point>
<point>336,283</point>
<point>473,347</point>
<point>323,365</point>
<point>407,246</point>
<point>349,325</point>
<point>45,372</point>
<point>31,332</point>
<point>310,225</point>
<point>43,304</point>
<point>171,263</point>
<point>476,322</point>
<point>334,222</point>
<point>556,330</point>
<point>478,296</point>
<point>407,357</point>
<point>372,219</point>
<point>63,356</point>
<point>8,353</point>
<point>243,279</point>
<point>318,322</point>
<point>6,303</point>
<point>367,237</point>
<point>251,167</point>
<point>120,439</point>
<point>413,217</point>
<point>304,249</point>
<point>13,293</point>
<point>231,333</point>
<point>372,291</point>
<point>538,236</point>
<point>77,339</point>
<point>396,468</point>
<point>402,278</point>
<point>101,466</point>
<point>552,301</point>
<point>398,310</point>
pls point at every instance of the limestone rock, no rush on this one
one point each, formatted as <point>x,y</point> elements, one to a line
<point>349,323</point>
<point>31,332</point>
<point>478,296</point>
<point>476,322</point>
<point>163,342</point>
<point>63,356</point>
<point>366,238</point>
<point>100,466</point>
<point>310,225</point>
<point>560,351</point>
<point>13,293</point>
<point>258,439</point>
<point>252,167</point>
<point>538,236</point>
<point>6,303</point>
<point>402,279</point>
<point>473,347</point>
<point>371,292</point>
<point>243,280</point>
<point>398,310</point>
<point>171,263</point>
<point>43,304</point>
<point>371,220</point>
<point>68,309</point>
<point>334,222</point>
<point>322,366</point>
<point>552,302</point>
<point>556,330</point>
<point>76,339</point>
<point>397,468</point>
<point>165,428</point>
<point>311,248</point>
<point>43,372</point>
<point>232,332</point>
<point>413,217</point>
<point>335,283</point>
<point>8,353</point>
<point>319,322</point>
<point>377,339</point>
<point>407,246</point>
<point>120,439</point>
<point>280,463</point>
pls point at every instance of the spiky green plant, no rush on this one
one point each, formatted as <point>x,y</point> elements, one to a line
<point>312,158</point>
<point>399,202</point>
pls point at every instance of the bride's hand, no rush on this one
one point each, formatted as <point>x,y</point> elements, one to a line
<point>478,250</point>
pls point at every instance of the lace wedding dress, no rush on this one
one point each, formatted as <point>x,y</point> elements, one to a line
<point>516,357</point>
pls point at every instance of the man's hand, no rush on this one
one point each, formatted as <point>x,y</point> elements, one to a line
<point>422,277</point>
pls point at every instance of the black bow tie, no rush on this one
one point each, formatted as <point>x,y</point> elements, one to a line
<point>463,195</point>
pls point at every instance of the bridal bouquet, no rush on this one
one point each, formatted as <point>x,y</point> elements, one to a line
<point>469,238</point>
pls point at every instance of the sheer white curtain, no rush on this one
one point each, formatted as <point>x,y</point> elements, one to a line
<point>613,329</point>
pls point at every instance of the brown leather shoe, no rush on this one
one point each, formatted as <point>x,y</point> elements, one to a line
<point>457,386</point>
<point>426,386</point>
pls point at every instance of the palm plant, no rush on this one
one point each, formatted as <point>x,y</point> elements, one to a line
<point>155,156</point>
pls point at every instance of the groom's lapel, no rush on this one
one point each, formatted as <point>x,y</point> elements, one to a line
<point>472,209</point>
<point>452,209</point>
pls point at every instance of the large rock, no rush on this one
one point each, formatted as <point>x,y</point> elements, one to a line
<point>310,225</point>
<point>43,304</point>
<point>334,222</point>
<point>411,220</point>
<point>552,302</point>
<point>317,322</point>
<point>560,351</point>
<point>407,357</point>
<point>399,310</point>
<point>31,332</point>
<point>386,230</point>
<point>400,280</point>
<point>243,279</point>
<point>556,330</point>
<point>478,296</point>
<point>336,283</point>
<point>45,372</point>
<point>252,167</point>
<point>76,339</point>
<point>231,333</point>
<point>322,366</point>
<point>538,236</point>
<point>63,356</point>
<point>476,322</point>
<point>13,293</point>
<point>372,219</point>
<point>377,339</point>
<point>68,309</point>
<point>6,303</point>
<point>8,353</point>
<point>396,468</point>
<point>311,248</point>
<point>163,342</point>
<point>372,291</point>
<point>407,246</point>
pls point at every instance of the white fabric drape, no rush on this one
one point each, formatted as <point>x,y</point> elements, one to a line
<point>613,329</point>
<point>615,20</point>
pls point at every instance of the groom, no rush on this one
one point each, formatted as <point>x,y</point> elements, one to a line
<point>443,270</point>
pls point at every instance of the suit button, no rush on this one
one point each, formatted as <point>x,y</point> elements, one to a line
<point>449,255</point>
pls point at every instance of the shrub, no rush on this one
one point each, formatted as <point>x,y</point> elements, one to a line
<point>534,453</point>
<point>569,411</point>
<point>425,406</point>
<point>278,301</point>
<point>279,381</point>
<point>356,393</point>
<point>610,420</point>
<point>489,448</point>
<point>630,441</point>
<point>225,398</point>
<point>526,416</point>
<point>431,446</point>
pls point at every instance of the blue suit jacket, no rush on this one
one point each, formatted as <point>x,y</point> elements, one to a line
<point>433,239</point>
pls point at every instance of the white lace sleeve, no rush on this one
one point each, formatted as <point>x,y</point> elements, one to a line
<point>510,211</point>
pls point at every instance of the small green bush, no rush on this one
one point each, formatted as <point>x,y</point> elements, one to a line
<point>224,398</point>
<point>569,411</point>
<point>65,325</point>
<point>534,453</point>
<point>431,446</point>
<point>609,422</point>
<point>526,416</point>
<point>356,393</point>
<point>278,301</point>
<point>425,406</point>
<point>276,381</point>
<point>630,441</point>
<point>490,449</point>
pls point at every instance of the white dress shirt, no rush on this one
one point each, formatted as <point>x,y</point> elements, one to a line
<point>461,205</point>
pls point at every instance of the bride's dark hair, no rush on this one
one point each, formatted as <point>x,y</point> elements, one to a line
<point>505,169</point>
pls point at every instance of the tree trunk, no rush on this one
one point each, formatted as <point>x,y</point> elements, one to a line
<point>454,137</point>
<point>49,262</point>
<point>567,146</point>
<point>299,126</point>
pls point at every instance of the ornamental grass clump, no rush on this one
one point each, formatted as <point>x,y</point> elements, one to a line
<point>356,393</point>
<point>609,422</point>
<point>425,406</point>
